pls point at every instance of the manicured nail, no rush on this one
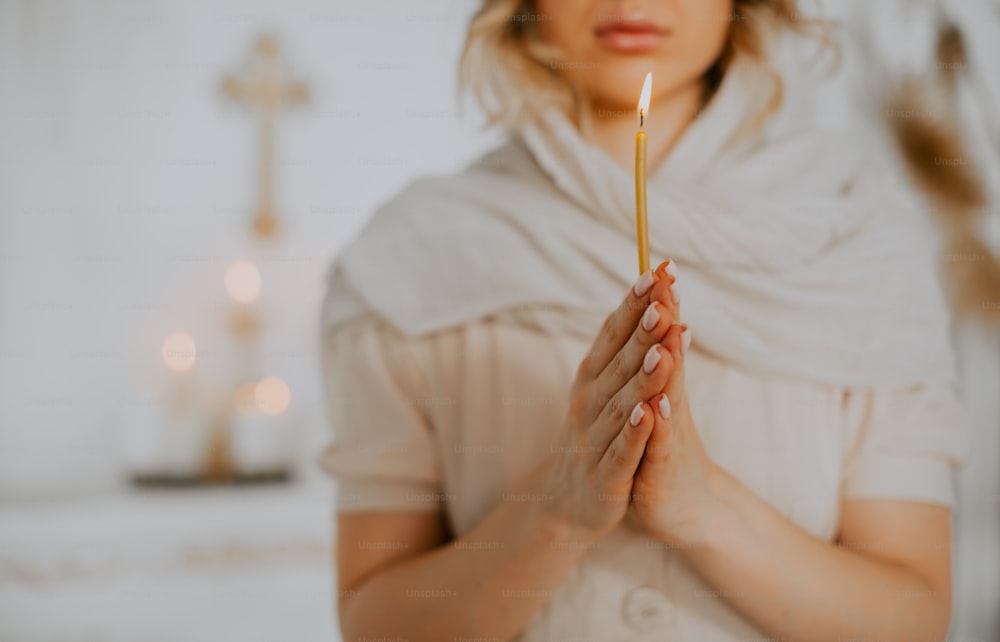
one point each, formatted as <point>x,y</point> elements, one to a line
<point>671,268</point>
<point>675,292</point>
<point>685,339</point>
<point>652,358</point>
<point>637,414</point>
<point>644,283</point>
<point>650,318</point>
<point>664,407</point>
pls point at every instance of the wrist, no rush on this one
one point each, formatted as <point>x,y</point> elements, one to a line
<point>716,511</point>
<point>555,518</point>
<point>559,529</point>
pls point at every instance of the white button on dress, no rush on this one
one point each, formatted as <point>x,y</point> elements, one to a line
<point>646,609</point>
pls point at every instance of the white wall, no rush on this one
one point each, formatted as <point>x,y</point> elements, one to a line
<point>126,178</point>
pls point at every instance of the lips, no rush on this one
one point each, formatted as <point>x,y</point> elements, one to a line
<point>626,35</point>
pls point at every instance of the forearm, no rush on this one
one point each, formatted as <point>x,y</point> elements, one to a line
<point>486,584</point>
<point>796,586</point>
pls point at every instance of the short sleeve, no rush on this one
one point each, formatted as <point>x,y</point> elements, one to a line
<point>905,443</point>
<point>383,452</point>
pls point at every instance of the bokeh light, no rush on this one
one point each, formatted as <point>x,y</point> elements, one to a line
<point>243,281</point>
<point>179,351</point>
<point>272,395</point>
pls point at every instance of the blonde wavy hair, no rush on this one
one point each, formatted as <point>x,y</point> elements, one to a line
<point>513,73</point>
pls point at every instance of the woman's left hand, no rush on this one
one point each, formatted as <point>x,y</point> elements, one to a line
<point>672,491</point>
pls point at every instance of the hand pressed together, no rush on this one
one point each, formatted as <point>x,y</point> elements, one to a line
<point>635,445</point>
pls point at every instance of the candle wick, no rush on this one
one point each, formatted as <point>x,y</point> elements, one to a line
<point>642,119</point>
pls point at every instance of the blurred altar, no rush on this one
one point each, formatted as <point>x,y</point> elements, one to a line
<point>165,225</point>
<point>164,235</point>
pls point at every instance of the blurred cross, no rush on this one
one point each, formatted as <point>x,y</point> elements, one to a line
<point>263,85</point>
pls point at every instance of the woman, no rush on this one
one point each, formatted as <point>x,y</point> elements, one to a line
<point>516,463</point>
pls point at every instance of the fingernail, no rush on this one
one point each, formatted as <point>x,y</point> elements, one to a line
<point>650,318</point>
<point>671,268</point>
<point>685,339</point>
<point>644,283</point>
<point>652,358</point>
<point>675,292</point>
<point>664,407</point>
<point>637,414</point>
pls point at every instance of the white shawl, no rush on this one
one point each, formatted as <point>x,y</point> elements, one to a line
<point>793,259</point>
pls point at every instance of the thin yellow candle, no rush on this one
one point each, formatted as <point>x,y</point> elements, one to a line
<point>641,222</point>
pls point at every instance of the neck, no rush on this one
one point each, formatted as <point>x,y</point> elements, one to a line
<point>614,130</point>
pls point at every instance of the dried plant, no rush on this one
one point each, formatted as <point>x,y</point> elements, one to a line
<point>937,158</point>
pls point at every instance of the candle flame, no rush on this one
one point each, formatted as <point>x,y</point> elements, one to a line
<point>647,90</point>
<point>242,281</point>
<point>272,396</point>
<point>269,396</point>
<point>179,351</point>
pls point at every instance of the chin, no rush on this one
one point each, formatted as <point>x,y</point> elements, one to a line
<point>618,88</point>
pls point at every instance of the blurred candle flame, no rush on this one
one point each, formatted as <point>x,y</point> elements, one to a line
<point>179,351</point>
<point>272,396</point>
<point>243,281</point>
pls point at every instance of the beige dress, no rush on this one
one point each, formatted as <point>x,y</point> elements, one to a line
<point>452,420</point>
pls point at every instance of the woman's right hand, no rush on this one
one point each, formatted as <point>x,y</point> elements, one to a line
<point>609,419</point>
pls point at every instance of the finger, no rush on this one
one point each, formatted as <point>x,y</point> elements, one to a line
<point>654,322</point>
<point>617,328</point>
<point>660,442</point>
<point>650,379</point>
<point>668,289</point>
<point>649,331</point>
<point>621,459</point>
